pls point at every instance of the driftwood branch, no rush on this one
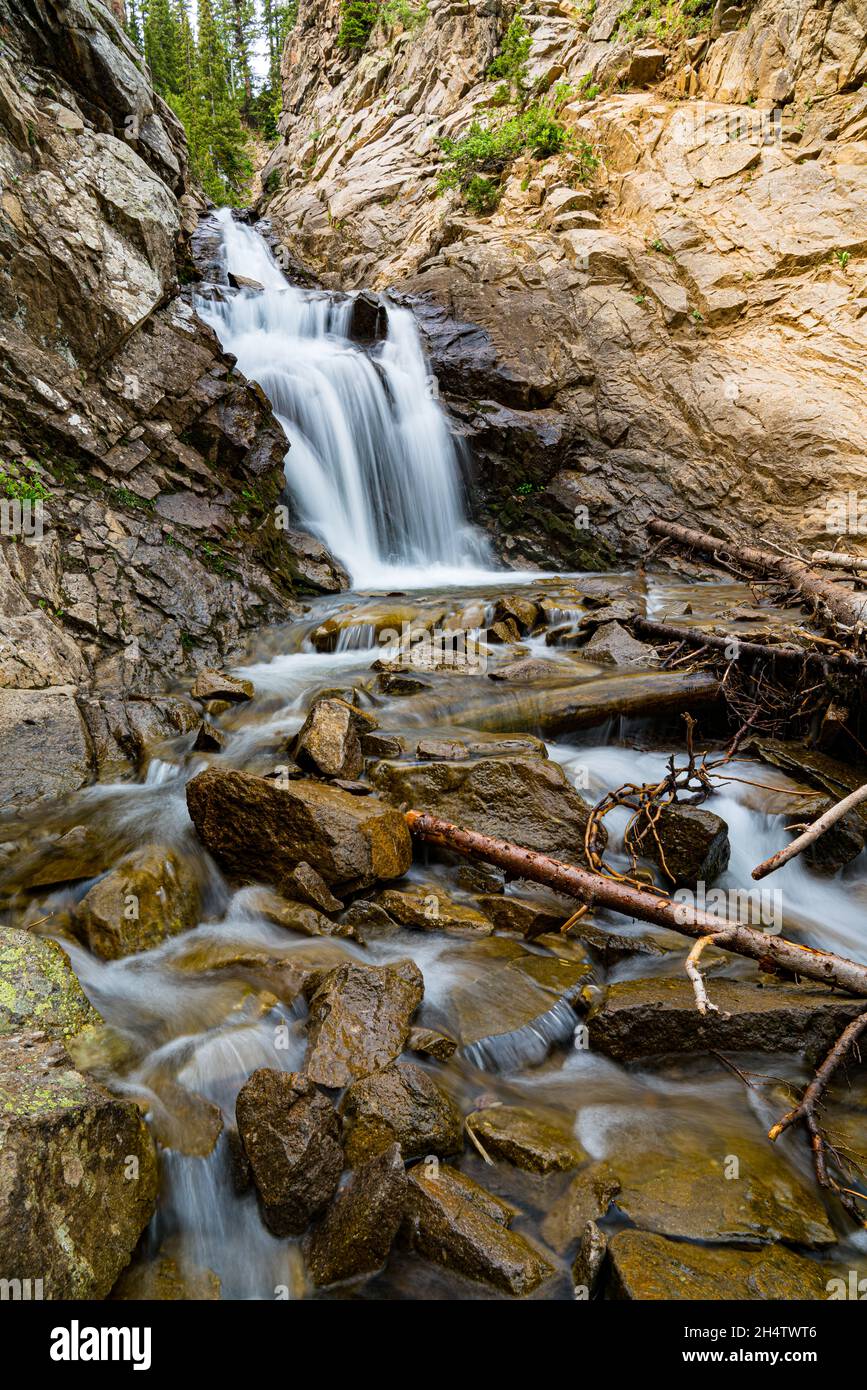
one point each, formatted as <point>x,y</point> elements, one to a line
<point>647,905</point>
<point>805,1112</point>
<point>811,834</point>
<point>838,560</point>
<point>744,650</point>
<point>834,604</point>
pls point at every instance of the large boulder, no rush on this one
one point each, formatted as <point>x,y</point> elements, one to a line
<point>151,894</point>
<point>693,842</point>
<point>39,988</point>
<point>258,828</point>
<point>329,741</point>
<point>291,1138</point>
<point>359,1019</point>
<point>527,800</point>
<point>358,1229</point>
<point>46,751</point>
<point>78,1173</point>
<point>456,1223</point>
<point>403,1105</point>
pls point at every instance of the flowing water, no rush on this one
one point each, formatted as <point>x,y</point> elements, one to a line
<point>373,471</point>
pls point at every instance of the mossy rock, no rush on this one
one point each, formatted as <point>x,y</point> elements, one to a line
<point>39,988</point>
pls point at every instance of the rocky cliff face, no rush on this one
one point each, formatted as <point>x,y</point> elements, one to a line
<point>687,334</point>
<point>156,464</point>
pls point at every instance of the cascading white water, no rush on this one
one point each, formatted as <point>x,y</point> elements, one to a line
<point>372,466</point>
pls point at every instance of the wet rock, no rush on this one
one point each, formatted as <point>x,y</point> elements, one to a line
<point>243,282</point>
<point>357,1232</point>
<point>523,799</point>
<point>368,321</point>
<point>586,1199</point>
<point>429,1043</point>
<point>612,645</point>
<point>506,630</point>
<point>523,612</point>
<point>399,1105</point>
<point>382,745</point>
<point>296,916</point>
<point>258,829</point>
<point>209,739</point>
<point>839,845</point>
<point>399,683</point>
<point>441,750</point>
<point>480,878</point>
<point>151,894</point>
<point>218,685</point>
<point>590,1259</point>
<point>456,1223</point>
<point>620,611</point>
<point>163,1280</point>
<point>304,882</point>
<point>643,1018</point>
<point>39,988</point>
<point>184,1120</point>
<point>427,908</point>
<point>695,844</point>
<point>329,741</point>
<point>359,1019</point>
<point>511,1006</point>
<point>524,1139</point>
<point>79,1173</point>
<point>291,1136</point>
<point>81,852</point>
<point>529,669</point>
<point>522,915</point>
<point>651,1267</point>
<point>678,1184</point>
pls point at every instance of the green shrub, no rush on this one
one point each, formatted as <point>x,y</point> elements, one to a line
<point>22,481</point>
<point>511,62</point>
<point>357,18</point>
<point>482,194</point>
<point>402,12</point>
<point>271,183</point>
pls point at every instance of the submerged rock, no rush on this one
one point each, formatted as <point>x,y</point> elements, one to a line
<point>258,829</point>
<point>78,1173</point>
<point>456,1223</point>
<point>429,1043</point>
<point>359,1228</point>
<point>39,988</point>
<point>644,1018</point>
<point>525,1140</point>
<point>527,800</point>
<point>651,1267</point>
<point>586,1199</point>
<point>695,845</point>
<point>427,908</point>
<point>329,741</point>
<point>151,894</point>
<point>359,1019</point>
<point>291,1137</point>
<point>612,645</point>
<point>403,1105</point>
<point>165,1279</point>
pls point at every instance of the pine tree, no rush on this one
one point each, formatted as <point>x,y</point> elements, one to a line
<point>161,43</point>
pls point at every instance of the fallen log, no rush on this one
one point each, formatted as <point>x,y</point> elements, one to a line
<point>838,560</point>
<point>812,833</point>
<point>646,905</point>
<point>673,632</point>
<point>834,604</point>
<point>571,704</point>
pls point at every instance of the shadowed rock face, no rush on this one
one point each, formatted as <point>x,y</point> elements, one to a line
<point>680,335</point>
<point>160,463</point>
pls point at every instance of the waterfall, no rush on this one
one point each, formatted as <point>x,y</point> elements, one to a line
<point>372,468</point>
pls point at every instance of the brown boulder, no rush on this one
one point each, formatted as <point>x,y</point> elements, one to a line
<point>358,1229</point>
<point>151,894</point>
<point>359,1019</point>
<point>402,1105</point>
<point>329,741</point>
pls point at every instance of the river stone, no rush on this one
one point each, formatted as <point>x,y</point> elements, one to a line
<point>430,909</point>
<point>838,846</point>
<point>402,1105</point>
<point>612,645</point>
<point>676,1185</point>
<point>589,1259</point>
<point>39,988</point>
<point>524,611</point>
<point>645,1018</point>
<point>512,1005</point>
<point>651,1267</point>
<point>209,739</point>
<point>357,1231</point>
<point>359,1019</point>
<point>695,843</point>
<point>526,916</point>
<point>291,1136</point>
<point>329,740</point>
<point>151,894</point>
<point>586,1199</point>
<point>529,669</point>
<point>218,685</point>
<point>164,1280</point>
<point>527,800</point>
<point>457,1224</point>
<point>429,1043</point>
<point>305,883</point>
<point>258,829</point>
<point>78,1173</point>
<point>81,852</point>
<point>295,916</point>
<point>524,1139</point>
<point>382,745</point>
<point>183,1120</point>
